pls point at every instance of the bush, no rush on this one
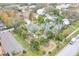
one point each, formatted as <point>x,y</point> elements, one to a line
<point>24,51</point>
<point>50,53</point>
<point>34,45</point>
<point>50,35</point>
<point>40,19</point>
<point>43,41</point>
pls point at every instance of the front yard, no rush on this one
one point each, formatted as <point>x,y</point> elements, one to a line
<point>43,50</point>
<point>53,46</point>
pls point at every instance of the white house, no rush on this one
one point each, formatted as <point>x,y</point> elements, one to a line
<point>52,18</point>
<point>59,7</point>
<point>48,16</point>
<point>66,21</point>
<point>41,11</point>
<point>32,6</point>
<point>64,6</point>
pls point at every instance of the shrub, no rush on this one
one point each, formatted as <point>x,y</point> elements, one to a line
<point>34,45</point>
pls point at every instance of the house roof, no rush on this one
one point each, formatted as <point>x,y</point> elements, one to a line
<point>58,26</point>
<point>62,6</point>
<point>41,11</point>
<point>66,21</point>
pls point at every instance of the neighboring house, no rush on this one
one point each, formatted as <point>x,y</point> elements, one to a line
<point>32,27</point>
<point>23,8</point>
<point>41,12</point>
<point>62,6</point>
<point>48,16</point>
<point>51,18</point>
<point>58,26</point>
<point>64,21</point>
<point>23,12</point>
<point>32,6</point>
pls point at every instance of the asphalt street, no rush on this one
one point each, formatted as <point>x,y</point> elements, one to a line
<point>9,43</point>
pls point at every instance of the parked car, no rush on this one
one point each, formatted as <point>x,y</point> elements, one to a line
<point>74,39</point>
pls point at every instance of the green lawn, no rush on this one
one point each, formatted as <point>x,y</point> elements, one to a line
<point>74,35</point>
<point>75,24</point>
<point>21,40</point>
<point>71,28</point>
<point>67,31</point>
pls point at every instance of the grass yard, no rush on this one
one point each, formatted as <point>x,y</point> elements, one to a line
<point>71,28</point>
<point>26,45</point>
<point>75,34</point>
<point>21,41</point>
<point>76,24</point>
<point>67,31</point>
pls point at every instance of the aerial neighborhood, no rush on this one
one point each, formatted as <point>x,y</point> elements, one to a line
<point>43,29</point>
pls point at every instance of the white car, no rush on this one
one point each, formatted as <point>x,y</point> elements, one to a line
<point>74,39</point>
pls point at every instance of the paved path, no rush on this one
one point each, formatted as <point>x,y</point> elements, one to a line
<point>9,43</point>
<point>72,33</point>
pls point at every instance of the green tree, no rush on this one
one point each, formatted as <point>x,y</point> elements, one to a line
<point>43,40</point>
<point>56,12</point>
<point>50,35</point>
<point>59,37</point>
<point>35,45</point>
<point>41,19</point>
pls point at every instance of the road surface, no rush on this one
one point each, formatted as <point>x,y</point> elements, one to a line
<point>9,43</point>
<point>70,50</point>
